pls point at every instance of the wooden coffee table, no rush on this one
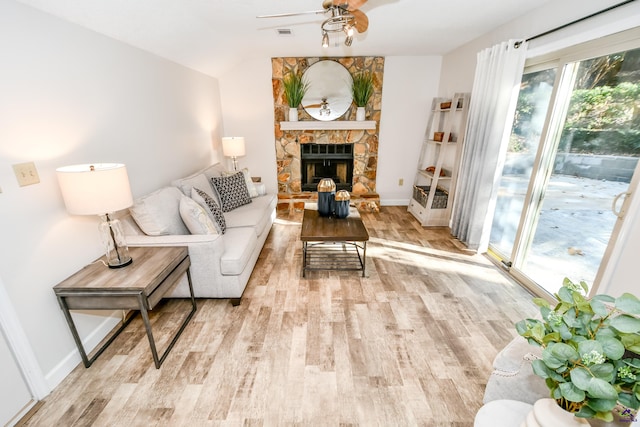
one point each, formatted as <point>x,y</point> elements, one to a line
<point>333,244</point>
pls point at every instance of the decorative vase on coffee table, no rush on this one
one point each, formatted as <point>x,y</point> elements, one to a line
<point>341,204</point>
<point>326,195</point>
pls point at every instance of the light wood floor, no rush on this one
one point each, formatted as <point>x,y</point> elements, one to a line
<point>409,345</point>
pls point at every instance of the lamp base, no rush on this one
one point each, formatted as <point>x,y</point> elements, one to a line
<point>124,264</point>
<point>117,252</point>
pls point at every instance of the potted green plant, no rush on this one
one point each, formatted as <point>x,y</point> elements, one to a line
<point>362,89</point>
<point>294,89</point>
<point>589,351</point>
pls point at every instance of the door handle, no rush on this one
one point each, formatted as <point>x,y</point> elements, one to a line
<point>619,213</point>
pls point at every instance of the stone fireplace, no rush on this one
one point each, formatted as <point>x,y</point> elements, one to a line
<point>358,171</point>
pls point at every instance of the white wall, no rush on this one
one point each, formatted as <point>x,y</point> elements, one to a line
<point>72,96</point>
<point>247,96</point>
<point>457,75</point>
<point>410,84</point>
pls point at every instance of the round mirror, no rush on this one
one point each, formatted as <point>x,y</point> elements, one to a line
<point>329,93</point>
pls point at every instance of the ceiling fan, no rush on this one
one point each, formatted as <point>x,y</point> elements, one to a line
<point>345,16</point>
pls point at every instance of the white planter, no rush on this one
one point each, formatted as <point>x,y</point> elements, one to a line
<point>293,114</point>
<point>360,114</point>
<point>547,413</point>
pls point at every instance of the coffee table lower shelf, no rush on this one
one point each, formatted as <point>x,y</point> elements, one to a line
<point>341,256</point>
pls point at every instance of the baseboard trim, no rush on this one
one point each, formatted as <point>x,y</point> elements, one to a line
<point>59,372</point>
<point>394,202</point>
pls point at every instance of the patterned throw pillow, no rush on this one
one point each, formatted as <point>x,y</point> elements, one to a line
<point>195,217</point>
<point>232,190</point>
<point>253,191</point>
<point>204,199</point>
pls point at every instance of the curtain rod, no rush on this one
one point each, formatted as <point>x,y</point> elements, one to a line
<point>580,20</point>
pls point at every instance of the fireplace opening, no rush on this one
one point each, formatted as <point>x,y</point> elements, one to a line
<point>333,161</point>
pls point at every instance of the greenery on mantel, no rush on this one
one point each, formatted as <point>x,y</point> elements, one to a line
<point>362,88</point>
<point>589,351</point>
<point>295,88</point>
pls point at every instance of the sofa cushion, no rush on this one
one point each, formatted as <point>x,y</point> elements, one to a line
<point>232,190</point>
<point>254,215</point>
<point>198,180</point>
<point>195,217</point>
<point>158,213</point>
<point>212,208</point>
<point>253,192</point>
<point>215,169</point>
<point>239,244</point>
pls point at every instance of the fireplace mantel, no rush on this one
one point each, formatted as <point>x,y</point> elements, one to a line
<point>328,125</point>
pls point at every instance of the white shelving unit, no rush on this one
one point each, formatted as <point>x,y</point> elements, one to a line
<point>435,181</point>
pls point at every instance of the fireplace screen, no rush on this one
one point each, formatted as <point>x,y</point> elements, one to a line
<point>333,161</point>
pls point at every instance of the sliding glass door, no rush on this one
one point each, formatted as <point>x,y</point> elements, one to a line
<point>574,148</point>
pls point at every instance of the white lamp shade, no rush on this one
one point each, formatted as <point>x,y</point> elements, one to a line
<point>95,189</point>
<point>233,146</point>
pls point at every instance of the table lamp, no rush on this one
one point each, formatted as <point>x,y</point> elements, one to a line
<point>99,189</point>
<point>233,146</point>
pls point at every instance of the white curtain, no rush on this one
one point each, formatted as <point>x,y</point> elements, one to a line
<point>493,101</point>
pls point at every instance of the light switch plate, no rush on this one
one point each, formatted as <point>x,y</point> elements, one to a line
<point>26,173</point>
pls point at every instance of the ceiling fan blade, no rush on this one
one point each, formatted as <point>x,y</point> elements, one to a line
<point>280,15</point>
<point>351,5</point>
<point>312,106</point>
<point>362,22</point>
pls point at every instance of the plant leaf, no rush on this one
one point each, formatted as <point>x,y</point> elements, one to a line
<point>581,378</point>
<point>550,360</point>
<point>631,343</point>
<point>625,323</point>
<point>602,405</point>
<point>601,389</point>
<point>541,302</point>
<point>571,392</point>
<point>564,294</point>
<point>540,369</point>
<point>585,287</point>
<point>612,347</point>
<point>604,371</point>
<point>603,298</point>
<point>552,337</point>
<point>629,400</point>
<point>564,352</point>
<point>599,308</point>
<point>588,346</point>
<point>585,412</point>
<point>571,320</point>
<point>628,303</point>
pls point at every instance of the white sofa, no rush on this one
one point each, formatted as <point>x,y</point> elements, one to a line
<point>221,264</point>
<point>512,377</point>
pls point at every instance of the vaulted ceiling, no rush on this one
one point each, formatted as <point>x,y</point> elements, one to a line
<point>213,35</point>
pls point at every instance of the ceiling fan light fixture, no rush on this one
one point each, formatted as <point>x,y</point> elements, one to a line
<point>348,29</point>
<point>348,40</point>
<point>325,39</point>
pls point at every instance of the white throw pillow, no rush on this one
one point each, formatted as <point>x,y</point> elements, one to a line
<point>158,213</point>
<point>195,217</point>
<point>251,188</point>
